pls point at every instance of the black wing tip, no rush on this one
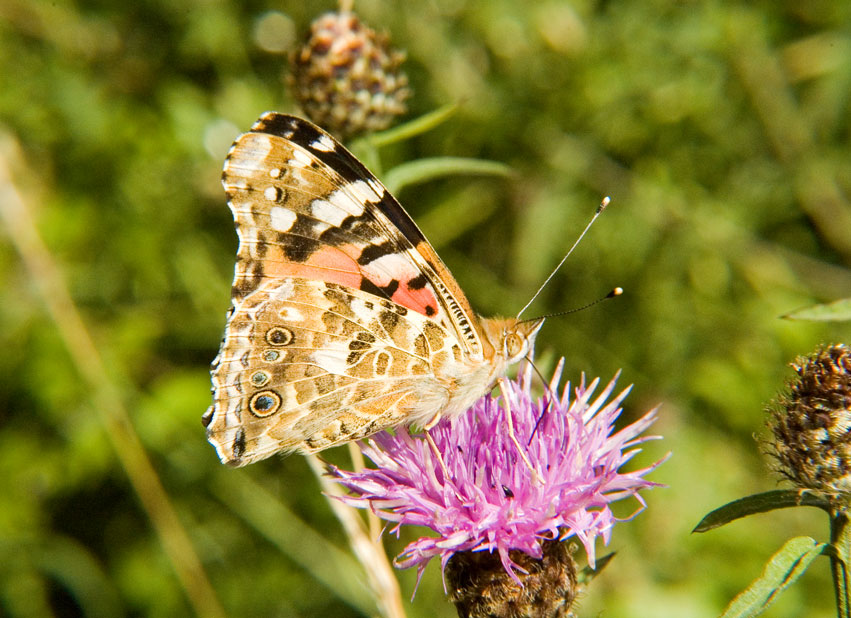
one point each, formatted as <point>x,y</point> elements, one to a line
<point>289,127</point>
<point>271,119</point>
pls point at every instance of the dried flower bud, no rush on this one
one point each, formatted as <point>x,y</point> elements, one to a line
<point>811,422</point>
<point>347,78</point>
<point>480,587</point>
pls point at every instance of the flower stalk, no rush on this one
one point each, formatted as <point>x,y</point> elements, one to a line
<point>840,558</point>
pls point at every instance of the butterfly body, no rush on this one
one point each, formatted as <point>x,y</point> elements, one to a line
<point>344,321</point>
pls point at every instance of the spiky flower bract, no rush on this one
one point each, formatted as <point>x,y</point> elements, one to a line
<point>490,501</point>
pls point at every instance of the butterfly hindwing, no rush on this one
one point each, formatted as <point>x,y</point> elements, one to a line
<point>308,364</point>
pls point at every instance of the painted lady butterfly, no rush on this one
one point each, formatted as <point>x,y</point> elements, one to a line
<point>344,321</point>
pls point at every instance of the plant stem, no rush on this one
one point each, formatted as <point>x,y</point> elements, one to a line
<point>840,540</point>
<point>369,551</point>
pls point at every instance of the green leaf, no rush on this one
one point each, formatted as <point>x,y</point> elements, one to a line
<point>465,214</point>
<point>779,573</point>
<point>760,503</point>
<point>837,311</point>
<point>412,128</point>
<point>585,576</point>
<point>422,170</point>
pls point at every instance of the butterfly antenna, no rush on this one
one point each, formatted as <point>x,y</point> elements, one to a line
<point>550,396</point>
<point>615,292</point>
<point>600,210</point>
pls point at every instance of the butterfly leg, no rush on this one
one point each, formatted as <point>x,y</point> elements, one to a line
<point>433,446</point>
<point>536,478</point>
<point>433,422</point>
<point>435,450</point>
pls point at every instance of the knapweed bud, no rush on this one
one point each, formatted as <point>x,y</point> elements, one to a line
<point>347,78</point>
<point>812,422</point>
<point>480,586</point>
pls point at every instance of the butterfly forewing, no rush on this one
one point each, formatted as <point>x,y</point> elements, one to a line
<point>305,206</point>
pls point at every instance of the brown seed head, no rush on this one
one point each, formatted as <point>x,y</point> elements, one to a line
<point>811,423</point>
<point>347,78</point>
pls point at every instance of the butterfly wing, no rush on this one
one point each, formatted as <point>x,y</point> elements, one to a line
<point>308,364</point>
<point>342,313</point>
<point>305,206</point>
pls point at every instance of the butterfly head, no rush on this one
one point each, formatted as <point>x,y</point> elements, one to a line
<point>513,339</point>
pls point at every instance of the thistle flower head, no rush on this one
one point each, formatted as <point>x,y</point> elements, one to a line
<point>489,501</point>
<point>811,423</point>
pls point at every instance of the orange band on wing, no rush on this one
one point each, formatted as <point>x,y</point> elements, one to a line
<point>336,265</point>
<point>421,300</point>
<point>328,264</point>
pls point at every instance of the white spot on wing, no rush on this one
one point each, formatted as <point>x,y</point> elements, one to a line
<point>342,199</point>
<point>284,291</point>
<point>256,150</point>
<point>376,188</point>
<point>338,205</point>
<point>282,218</point>
<point>324,143</point>
<point>332,358</point>
<point>364,192</point>
<point>388,267</point>
<point>291,314</point>
<point>329,210</point>
<point>275,172</point>
<point>319,226</point>
<point>300,158</point>
<point>271,194</point>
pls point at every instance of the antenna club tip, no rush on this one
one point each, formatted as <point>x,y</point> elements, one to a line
<point>616,292</point>
<point>606,201</point>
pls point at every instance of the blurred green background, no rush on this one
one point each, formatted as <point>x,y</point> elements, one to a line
<point>720,130</point>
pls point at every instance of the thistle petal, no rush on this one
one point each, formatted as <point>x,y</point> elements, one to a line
<point>490,502</point>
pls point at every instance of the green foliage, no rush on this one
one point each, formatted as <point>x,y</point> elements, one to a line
<point>720,129</point>
<point>423,170</point>
<point>781,571</point>
<point>761,503</point>
<point>838,310</point>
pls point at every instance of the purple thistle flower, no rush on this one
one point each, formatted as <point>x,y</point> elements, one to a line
<point>490,502</point>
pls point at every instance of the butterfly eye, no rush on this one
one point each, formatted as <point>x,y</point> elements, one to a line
<point>514,345</point>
